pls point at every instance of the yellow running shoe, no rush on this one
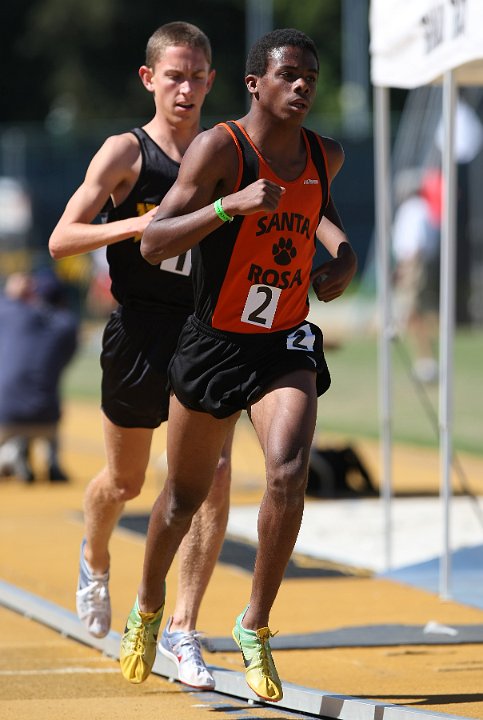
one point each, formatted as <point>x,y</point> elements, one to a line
<point>261,673</point>
<point>138,644</point>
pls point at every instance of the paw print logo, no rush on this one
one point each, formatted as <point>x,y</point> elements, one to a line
<point>283,251</point>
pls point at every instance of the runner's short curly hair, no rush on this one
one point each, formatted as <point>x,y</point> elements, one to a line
<point>257,60</point>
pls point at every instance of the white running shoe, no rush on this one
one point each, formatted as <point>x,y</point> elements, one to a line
<point>184,649</point>
<point>92,599</point>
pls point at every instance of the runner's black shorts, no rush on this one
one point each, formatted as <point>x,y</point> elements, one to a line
<point>222,373</point>
<point>137,346</point>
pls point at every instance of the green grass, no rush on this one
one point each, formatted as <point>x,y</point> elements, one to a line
<point>82,379</point>
<point>351,406</point>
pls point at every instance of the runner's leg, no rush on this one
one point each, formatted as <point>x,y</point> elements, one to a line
<point>127,453</point>
<point>194,445</point>
<point>201,546</point>
<point>284,419</point>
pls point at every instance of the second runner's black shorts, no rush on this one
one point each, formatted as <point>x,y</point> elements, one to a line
<point>137,347</point>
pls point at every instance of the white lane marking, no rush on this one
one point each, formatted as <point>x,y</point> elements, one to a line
<point>61,671</point>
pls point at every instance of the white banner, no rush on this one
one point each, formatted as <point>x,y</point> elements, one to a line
<point>414,42</point>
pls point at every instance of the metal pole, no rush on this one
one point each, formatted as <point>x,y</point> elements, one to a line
<point>447,321</point>
<point>383,255</point>
<point>355,68</point>
<point>258,20</point>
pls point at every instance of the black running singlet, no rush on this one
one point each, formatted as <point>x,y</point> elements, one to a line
<point>135,282</point>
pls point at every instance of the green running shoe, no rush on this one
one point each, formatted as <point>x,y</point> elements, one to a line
<point>261,673</point>
<point>138,644</point>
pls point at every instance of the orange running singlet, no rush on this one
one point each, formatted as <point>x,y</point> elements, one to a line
<point>260,264</point>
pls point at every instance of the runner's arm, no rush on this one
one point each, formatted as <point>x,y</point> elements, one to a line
<point>186,215</point>
<point>330,279</point>
<point>111,169</point>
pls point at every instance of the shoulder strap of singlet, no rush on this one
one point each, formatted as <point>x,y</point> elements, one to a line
<point>248,171</point>
<point>142,138</point>
<point>319,159</point>
<point>140,135</point>
<point>138,132</point>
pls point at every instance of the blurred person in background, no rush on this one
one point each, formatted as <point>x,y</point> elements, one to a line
<point>38,338</point>
<point>416,250</point>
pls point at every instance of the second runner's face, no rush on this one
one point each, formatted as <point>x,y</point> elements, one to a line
<point>181,79</point>
<point>288,88</point>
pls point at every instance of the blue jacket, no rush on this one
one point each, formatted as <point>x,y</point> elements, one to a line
<point>36,343</point>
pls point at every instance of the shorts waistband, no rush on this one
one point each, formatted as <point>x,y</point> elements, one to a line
<point>241,338</point>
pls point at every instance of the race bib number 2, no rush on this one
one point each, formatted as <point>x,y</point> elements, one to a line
<point>180,265</point>
<point>261,305</point>
<point>301,339</point>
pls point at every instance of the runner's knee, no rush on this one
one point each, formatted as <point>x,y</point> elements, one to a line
<point>182,505</point>
<point>126,487</point>
<point>287,479</point>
